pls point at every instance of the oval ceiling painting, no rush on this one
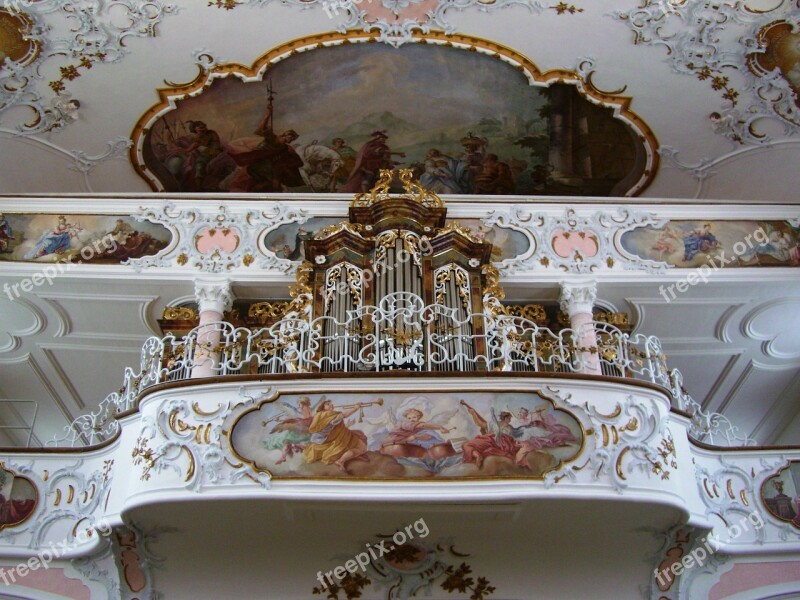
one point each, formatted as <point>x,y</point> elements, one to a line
<point>470,117</point>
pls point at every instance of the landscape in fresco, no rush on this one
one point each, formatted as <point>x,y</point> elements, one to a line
<point>286,241</point>
<point>407,435</point>
<point>726,243</point>
<point>78,238</point>
<point>327,120</point>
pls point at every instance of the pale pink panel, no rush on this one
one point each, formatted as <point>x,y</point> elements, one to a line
<point>208,239</point>
<point>584,242</point>
<point>749,576</point>
<point>416,12</point>
<point>54,581</point>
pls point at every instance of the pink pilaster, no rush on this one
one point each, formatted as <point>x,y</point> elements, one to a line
<point>213,299</point>
<point>577,301</point>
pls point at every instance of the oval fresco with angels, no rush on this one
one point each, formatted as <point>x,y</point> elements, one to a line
<point>407,435</point>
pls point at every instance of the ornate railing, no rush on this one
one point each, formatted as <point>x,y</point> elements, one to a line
<point>400,334</point>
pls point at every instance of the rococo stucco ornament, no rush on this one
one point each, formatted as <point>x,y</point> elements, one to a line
<point>758,81</point>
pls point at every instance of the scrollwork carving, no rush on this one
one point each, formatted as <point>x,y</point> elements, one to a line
<point>551,248</point>
<point>185,439</point>
<point>86,33</point>
<point>247,226</point>
<point>750,91</point>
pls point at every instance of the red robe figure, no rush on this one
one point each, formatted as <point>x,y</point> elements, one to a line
<point>373,156</point>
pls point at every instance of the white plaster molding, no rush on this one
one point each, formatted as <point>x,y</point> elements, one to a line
<point>75,493</point>
<point>578,297</point>
<point>242,228</point>
<point>13,338</point>
<point>87,32</point>
<point>400,29</point>
<point>603,229</point>
<point>182,439</point>
<point>705,169</point>
<point>748,98</point>
<point>213,295</point>
<point>782,333</point>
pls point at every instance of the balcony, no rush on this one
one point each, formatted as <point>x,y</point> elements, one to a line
<point>399,337</point>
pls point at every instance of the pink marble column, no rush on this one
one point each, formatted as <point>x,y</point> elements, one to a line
<point>214,297</point>
<point>577,301</point>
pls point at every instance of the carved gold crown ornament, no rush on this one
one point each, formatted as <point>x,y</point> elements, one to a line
<point>413,190</point>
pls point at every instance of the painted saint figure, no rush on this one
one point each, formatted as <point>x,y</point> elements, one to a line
<point>121,232</point>
<point>332,442</point>
<point>415,438</point>
<point>543,431</point>
<point>664,243</point>
<point>276,163</point>
<point>205,145</point>
<point>443,174</point>
<point>472,158</point>
<point>413,430</point>
<point>778,244</point>
<point>698,240</point>
<point>558,434</point>
<point>54,241</point>
<point>348,156</point>
<point>272,165</point>
<point>496,439</point>
<point>494,178</point>
<point>373,156</point>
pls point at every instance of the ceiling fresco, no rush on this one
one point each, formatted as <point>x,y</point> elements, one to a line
<point>328,119</point>
<point>698,91</point>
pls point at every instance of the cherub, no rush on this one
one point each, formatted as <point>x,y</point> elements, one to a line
<point>291,433</point>
<point>663,244</point>
<point>414,439</point>
<point>413,430</point>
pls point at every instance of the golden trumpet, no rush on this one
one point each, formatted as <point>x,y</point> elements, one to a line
<point>379,402</point>
<point>361,408</point>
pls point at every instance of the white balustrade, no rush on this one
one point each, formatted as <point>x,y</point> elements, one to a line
<point>400,334</point>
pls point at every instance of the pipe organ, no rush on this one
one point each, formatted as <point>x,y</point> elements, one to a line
<point>396,287</point>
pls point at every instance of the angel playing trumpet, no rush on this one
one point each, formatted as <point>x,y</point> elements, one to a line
<point>332,441</point>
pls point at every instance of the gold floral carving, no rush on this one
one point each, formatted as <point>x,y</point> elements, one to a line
<point>265,311</point>
<point>180,313</point>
